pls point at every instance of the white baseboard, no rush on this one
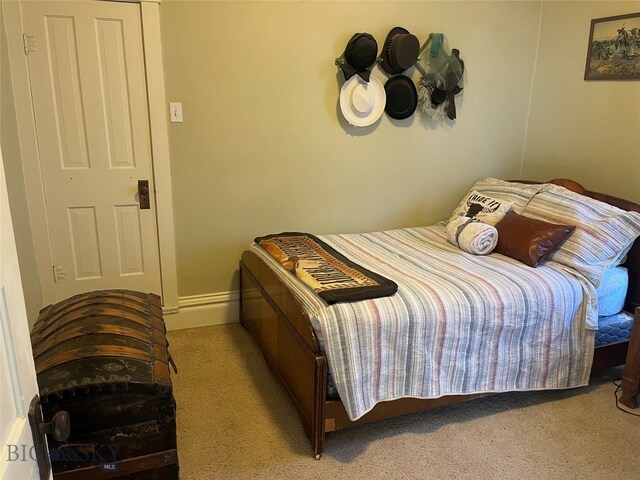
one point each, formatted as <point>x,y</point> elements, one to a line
<point>205,310</point>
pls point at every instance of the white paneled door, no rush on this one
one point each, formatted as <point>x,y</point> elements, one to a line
<point>86,68</point>
<point>17,372</point>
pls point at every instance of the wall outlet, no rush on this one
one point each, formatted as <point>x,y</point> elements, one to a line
<point>175,112</point>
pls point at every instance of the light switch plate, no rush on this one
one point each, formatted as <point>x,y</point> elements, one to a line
<point>175,112</point>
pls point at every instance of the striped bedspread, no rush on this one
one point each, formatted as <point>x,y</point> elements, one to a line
<point>459,323</point>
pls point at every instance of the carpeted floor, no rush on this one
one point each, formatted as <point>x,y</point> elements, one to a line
<point>236,421</point>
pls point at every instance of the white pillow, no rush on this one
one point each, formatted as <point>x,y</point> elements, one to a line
<point>603,232</point>
<point>482,208</point>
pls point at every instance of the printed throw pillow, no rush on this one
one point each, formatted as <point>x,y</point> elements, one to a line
<point>519,194</point>
<point>482,208</point>
<point>603,232</point>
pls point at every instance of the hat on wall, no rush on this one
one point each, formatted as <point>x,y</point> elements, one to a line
<point>359,55</point>
<point>362,103</point>
<point>400,51</point>
<point>402,97</point>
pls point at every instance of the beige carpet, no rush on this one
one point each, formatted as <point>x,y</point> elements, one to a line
<point>236,421</point>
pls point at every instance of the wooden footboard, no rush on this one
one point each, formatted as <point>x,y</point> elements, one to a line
<point>288,342</point>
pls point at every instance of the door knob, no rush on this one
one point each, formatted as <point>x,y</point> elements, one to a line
<point>59,427</point>
<point>143,194</point>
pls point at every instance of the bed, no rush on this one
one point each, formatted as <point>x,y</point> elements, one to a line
<point>294,348</point>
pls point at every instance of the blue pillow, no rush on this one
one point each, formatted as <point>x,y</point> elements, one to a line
<point>612,291</point>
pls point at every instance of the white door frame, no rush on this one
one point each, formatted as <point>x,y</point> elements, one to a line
<point>19,457</point>
<point>150,16</point>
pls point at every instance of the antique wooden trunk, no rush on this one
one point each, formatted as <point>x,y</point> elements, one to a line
<point>102,357</point>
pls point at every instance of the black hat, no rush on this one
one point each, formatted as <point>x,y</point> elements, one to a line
<point>359,55</point>
<point>402,97</point>
<point>400,51</point>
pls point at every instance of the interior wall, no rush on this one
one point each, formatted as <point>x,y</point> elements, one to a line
<point>16,186</point>
<point>264,148</point>
<point>585,130</point>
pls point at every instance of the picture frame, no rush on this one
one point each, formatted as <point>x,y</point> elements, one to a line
<point>614,48</point>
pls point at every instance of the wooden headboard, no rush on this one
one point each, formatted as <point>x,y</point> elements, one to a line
<point>633,259</point>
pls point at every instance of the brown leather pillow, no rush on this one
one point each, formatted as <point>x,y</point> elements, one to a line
<point>529,240</point>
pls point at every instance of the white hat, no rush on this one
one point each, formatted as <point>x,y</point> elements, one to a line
<point>362,103</point>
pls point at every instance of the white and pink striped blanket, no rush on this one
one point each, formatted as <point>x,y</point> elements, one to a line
<point>458,324</point>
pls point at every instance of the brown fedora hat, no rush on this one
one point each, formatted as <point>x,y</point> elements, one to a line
<point>400,51</point>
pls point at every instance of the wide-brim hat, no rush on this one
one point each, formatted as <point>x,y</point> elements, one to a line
<point>402,97</point>
<point>359,55</point>
<point>400,51</point>
<point>362,103</point>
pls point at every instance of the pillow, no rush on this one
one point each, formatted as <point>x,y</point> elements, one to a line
<point>519,194</point>
<point>612,291</point>
<point>527,240</point>
<point>603,232</point>
<point>481,208</point>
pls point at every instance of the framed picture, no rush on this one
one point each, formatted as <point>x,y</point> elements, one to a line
<point>614,48</point>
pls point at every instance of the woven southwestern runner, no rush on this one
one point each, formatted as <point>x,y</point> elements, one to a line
<point>330,274</point>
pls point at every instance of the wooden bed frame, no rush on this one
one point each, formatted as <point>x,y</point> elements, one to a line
<point>290,346</point>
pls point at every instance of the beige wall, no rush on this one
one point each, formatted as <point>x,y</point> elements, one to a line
<point>588,131</point>
<point>15,186</point>
<point>263,147</point>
